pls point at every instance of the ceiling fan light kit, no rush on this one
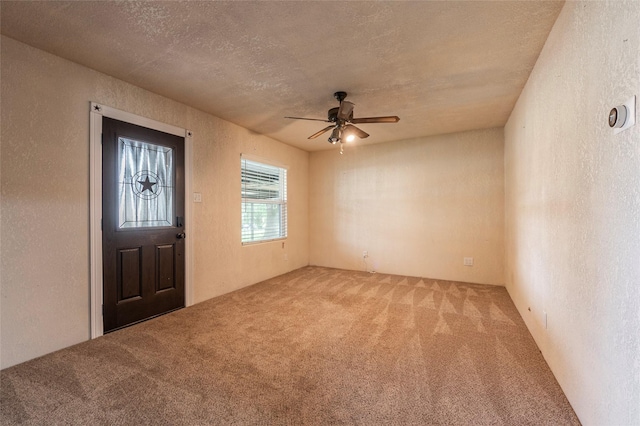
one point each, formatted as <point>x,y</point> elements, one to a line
<point>342,120</point>
<point>335,135</point>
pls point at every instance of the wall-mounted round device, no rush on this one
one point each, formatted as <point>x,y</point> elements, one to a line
<point>618,116</point>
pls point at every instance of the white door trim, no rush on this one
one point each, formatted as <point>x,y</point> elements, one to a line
<point>97,111</point>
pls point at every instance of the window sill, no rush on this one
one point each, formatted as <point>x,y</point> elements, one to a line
<point>252,243</point>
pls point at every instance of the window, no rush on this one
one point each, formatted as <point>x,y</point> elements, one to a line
<point>264,201</point>
<point>145,184</point>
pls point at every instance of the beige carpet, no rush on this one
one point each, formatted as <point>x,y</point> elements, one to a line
<point>315,346</point>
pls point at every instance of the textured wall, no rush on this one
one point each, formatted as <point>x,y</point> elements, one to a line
<point>45,198</point>
<point>573,209</point>
<point>418,206</point>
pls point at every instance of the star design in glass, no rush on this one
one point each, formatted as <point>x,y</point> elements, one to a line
<point>146,184</point>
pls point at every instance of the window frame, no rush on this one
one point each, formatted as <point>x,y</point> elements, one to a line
<point>282,201</point>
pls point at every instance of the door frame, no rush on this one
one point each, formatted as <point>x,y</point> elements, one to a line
<point>97,111</point>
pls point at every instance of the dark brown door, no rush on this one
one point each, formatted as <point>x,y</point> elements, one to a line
<point>142,223</point>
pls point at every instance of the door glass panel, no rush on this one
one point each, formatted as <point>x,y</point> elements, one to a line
<point>146,184</point>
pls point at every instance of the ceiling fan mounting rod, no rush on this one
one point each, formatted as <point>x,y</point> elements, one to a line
<point>340,96</point>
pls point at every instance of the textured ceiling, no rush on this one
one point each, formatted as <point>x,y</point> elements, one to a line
<point>441,66</point>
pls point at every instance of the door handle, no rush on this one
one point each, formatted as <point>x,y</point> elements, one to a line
<point>181,236</point>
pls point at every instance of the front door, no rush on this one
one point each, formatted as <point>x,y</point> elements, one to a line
<point>142,223</point>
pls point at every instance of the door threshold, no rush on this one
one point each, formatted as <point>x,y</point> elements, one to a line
<point>142,320</point>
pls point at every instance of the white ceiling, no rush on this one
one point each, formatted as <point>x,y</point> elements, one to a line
<point>441,66</point>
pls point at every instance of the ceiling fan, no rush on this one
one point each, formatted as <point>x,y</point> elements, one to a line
<point>343,122</point>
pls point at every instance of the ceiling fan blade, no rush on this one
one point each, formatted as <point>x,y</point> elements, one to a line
<point>387,119</point>
<point>316,134</point>
<point>346,110</point>
<point>312,119</point>
<point>358,132</point>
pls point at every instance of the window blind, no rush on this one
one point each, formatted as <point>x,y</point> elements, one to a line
<point>264,201</point>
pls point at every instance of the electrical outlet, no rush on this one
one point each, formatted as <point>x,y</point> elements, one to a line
<point>286,257</point>
<point>467,261</point>
<point>197,197</point>
<point>365,254</point>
